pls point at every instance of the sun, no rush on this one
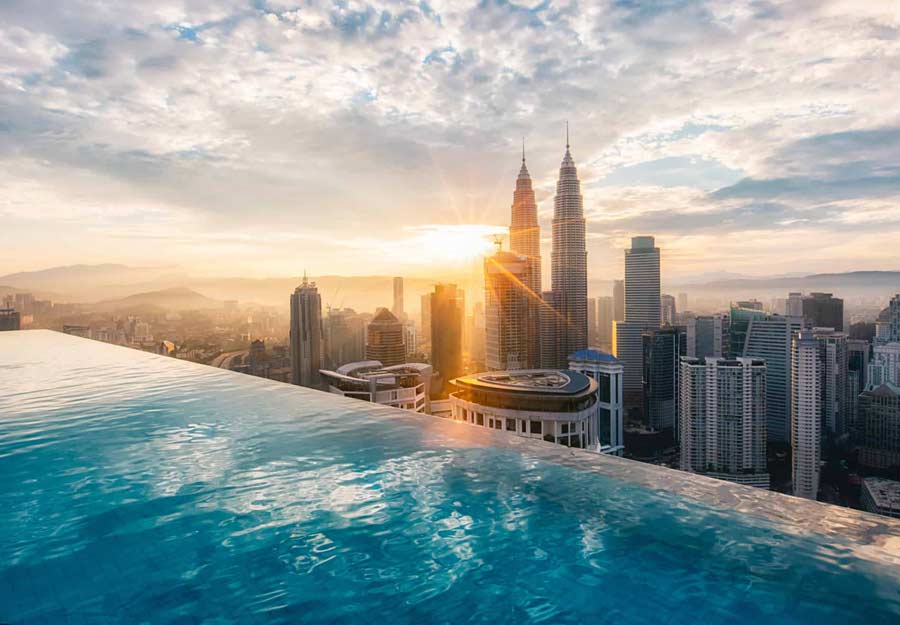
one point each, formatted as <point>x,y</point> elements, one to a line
<point>454,244</point>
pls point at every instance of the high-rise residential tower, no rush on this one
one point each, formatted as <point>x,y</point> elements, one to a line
<point>722,419</point>
<point>525,241</point>
<point>569,263</point>
<point>306,334</point>
<point>397,309</point>
<point>806,413</point>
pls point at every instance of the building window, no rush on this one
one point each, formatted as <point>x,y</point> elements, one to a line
<point>536,427</point>
<point>479,418</point>
<point>511,425</point>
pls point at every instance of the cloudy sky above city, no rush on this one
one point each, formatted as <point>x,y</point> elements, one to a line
<point>268,137</point>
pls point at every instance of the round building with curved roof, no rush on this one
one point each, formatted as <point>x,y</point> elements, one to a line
<point>559,406</point>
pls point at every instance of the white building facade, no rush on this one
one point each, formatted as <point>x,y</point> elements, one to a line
<point>607,371</point>
<point>722,419</point>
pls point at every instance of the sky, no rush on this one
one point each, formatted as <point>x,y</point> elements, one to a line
<point>270,137</point>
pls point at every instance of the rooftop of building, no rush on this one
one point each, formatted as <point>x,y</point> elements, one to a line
<point>593,355</point>
<point>885,493</point>
<point>533,381</point>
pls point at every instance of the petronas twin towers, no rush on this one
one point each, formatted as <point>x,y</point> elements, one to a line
<point>559,327</point>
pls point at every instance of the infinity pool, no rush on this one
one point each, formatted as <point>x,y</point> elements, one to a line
<point>139,489</point>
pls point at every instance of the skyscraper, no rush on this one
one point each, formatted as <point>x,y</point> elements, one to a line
<point>618,300</point>
<point>794,305</point>
<point>683,302</point>
<point>806,414</point>
<point>306,334</point>
<point>894,319</point>
<point>667,310</point>
<point>835,360</point>
<point>821,310</point>
<point>525,241</point>
<point>508,306</point>
<point>722,419</point>
<point>386,339</point>
<point>707,335</point>
<point>769,337</point>
<point>642,297</point>
<point>446,333</point>
<point>345,337</point>
<point>398,299</point>
<point>878,434</point>
<point>662,349</point>
<point>642,313</point>
<point>592,320</point>
<point>605,314</point>
<point>569,263</point>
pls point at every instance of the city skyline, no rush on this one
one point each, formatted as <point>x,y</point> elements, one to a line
<point>195,126</point>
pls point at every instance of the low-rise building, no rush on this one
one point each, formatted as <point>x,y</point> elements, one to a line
<point>881,496</point>
<point>559,406</point>
<point>404,386</point>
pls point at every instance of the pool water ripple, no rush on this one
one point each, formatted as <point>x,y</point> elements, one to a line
<point>139,489</point>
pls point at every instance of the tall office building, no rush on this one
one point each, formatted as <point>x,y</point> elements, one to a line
<point>306,334</point>
<point>508,309</point>
<point>794,305</point>
<point>894,320</point>
<point>425,340</point>
<point>397,309</point>
<point>739,319</point>
<point>642,296</point>
<point>683,302</point>
<point>884,368</point>
<point>722,419</point>
<point>878,434</point>
<point>446,333</point>
<point>769,337</point>
<point>707,335</point>
<point>667,310</point>
<point>662,349</point>
<point>525,240</point>
<point>605,316</point>
<point>592,321</point>
<point>642,312</point>
<point>618,300</point>
<point>386,339</point>
<point>569,263</point>
<point>821,310</point>
<point>345,337</point>
<point>806,413</point>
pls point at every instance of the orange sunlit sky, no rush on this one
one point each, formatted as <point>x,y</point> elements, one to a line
<point>269,137</point>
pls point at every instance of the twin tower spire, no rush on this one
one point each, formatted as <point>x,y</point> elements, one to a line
<point>564,326</point>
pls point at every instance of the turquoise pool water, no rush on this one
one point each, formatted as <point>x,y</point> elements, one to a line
<point>140,489</point>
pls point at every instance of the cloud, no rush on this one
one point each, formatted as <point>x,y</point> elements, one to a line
<point>358,120</point>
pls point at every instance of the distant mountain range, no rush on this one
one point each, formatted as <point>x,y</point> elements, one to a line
<point>174,299</point>
<point>171,288</point>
